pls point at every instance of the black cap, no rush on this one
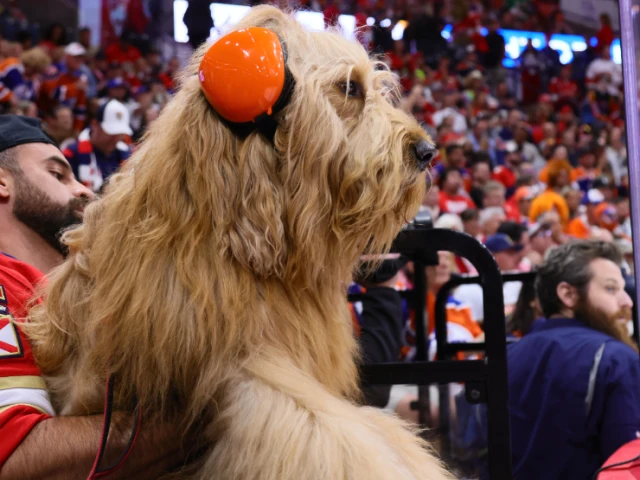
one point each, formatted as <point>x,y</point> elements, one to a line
<point>602,182</point>
<point>17,130</point>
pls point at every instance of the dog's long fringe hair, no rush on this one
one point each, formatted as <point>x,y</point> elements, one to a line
<point>209,255</point>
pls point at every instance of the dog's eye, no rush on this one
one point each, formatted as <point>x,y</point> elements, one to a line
<point>351,89</point>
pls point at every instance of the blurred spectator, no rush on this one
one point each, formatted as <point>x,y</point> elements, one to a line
<point>508,173</point>
<point>123,51</point>
<point>20,78</point>
<point>563,88</point>
<point>450,198</point>
<point>480,137</point>
<point>551,59</point>
<point>490,219</point>
<point>70,86</point>
<point>605,186</point>
<point>59,125</point>
<point>471,222</point>
<point>518,207</point>
<point>480,175</point>
<point>605,34</point>
<point>519,234</point>
<point>461,327</point>
<point>533,67</point>
<point>100,149</point>
<point>54,36</point>
<point>493,194</point>
<point>169,76</point>
<point>526,312</point>
<point>508,255</point>
<point>431,200</point>
<point>451,108</point>
<point>540,241</point>
<point>603,73</point>
<point>559,173</point>
<point>117,89</point>
<point>492,61</point>
<point>84,39</point>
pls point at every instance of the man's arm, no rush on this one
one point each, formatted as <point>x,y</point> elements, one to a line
<point>619,379</point>
<point>64,448</point>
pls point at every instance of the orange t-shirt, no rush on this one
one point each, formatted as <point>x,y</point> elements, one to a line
<point>578,228</point>
<point>549,200</point>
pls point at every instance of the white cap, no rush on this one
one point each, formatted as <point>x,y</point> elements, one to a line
<point>114,118</point>
<point>594,196</point>
<point>74,49</point>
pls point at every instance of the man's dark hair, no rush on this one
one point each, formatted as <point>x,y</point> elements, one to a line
<point>9,161</point>
<point>443,176</point>
<point>469,214</point>
<point>479,157</point>
<point>524,180</point>
<point>452,147</point>
<point>570,263</point>
<point>513,230</point>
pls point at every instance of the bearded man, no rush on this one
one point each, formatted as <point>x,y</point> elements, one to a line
<point>39,198</point>
<point>574,381</point>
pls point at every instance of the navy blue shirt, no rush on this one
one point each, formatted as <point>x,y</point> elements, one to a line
<point>574,399</point>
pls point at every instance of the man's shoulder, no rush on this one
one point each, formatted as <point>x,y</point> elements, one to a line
<point>13,270</point>
<point>18,283</point>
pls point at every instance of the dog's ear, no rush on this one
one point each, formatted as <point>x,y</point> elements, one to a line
<point>257,237</point>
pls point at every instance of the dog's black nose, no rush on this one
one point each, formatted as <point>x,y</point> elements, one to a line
<point>424,153</point>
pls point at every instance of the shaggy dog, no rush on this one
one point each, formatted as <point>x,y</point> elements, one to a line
<point>210,278</point>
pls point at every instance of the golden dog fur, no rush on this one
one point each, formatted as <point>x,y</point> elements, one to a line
<point>210,278</point>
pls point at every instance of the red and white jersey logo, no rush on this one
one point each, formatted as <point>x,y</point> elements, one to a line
<point>9,340</point>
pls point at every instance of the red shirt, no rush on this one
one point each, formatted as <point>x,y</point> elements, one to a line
<point>605,36</point>
<point>512,212</point>
<point>454,203</point>
<point>23,396</point>
<point>563,88</point>
<point>504,175</point>
<point>115,53</point>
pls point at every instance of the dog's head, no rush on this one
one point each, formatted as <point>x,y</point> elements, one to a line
<point>344,171</point>
<point>210,241</point>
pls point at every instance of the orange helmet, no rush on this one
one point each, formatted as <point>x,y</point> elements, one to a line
<point>244,76</point>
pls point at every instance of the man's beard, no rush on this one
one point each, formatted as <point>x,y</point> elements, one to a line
<point>40,213</point>
<point>611,325</point>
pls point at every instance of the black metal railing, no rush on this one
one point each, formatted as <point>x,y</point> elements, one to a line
<point>488,375</point>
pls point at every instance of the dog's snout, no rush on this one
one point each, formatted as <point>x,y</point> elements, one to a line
<point>424,152</point>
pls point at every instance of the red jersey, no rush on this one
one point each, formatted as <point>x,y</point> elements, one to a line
<point>454,203</point>
<point>512,212</point>
<point>562,89</point>
<point>23,396</point>
<point>115,53</point>
<point>504,175</point>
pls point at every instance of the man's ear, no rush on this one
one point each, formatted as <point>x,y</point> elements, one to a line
<point>568,295</point>
<point>6,180</point>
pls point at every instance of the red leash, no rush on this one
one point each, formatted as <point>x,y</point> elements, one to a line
<point>106,425</point>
